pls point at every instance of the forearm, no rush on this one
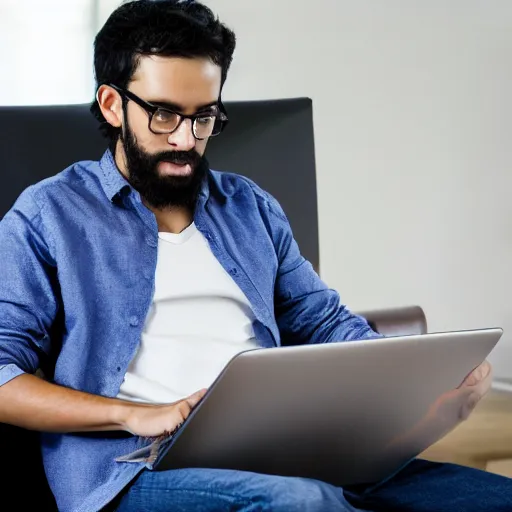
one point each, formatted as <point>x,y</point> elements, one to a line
<point>30,402</point>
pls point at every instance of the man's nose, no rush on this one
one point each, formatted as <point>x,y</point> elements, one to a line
<point>183,139</point>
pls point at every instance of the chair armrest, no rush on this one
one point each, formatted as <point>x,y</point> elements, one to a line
<point>397,321</point>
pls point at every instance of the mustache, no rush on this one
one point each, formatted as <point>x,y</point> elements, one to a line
<point>191,157</point>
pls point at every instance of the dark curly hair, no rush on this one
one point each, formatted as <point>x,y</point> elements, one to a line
<point>170,28</point>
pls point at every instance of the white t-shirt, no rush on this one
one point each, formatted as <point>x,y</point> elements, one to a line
<point>199,319</point>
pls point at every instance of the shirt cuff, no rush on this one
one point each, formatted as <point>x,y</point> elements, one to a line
<point>9,372</point>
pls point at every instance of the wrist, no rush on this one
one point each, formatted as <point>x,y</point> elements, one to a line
<point>120,414</point>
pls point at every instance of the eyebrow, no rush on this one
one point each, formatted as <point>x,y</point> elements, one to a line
<point>179,108</point>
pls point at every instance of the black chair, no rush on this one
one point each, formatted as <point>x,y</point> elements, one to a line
<point>271,142</point>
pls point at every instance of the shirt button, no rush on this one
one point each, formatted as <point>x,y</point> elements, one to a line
<point>233,271</point>
<point>134,321</point>
<point>151,241</point>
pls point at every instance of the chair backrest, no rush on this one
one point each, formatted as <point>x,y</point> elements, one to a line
<point>271,142</point>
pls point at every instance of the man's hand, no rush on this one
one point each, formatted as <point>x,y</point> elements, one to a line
<point>448,411</point>
<point>476,384</point>
<point>158,420</point>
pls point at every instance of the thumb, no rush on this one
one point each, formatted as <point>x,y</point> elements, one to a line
<point>195,398</point>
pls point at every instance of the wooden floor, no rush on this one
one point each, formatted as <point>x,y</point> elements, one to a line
<point>484,440</point>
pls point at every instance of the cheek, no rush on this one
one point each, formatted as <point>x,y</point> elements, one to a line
<point>148,141</point>
<point>138,124</point>
<point>201,146</point>
<point>137,127</point>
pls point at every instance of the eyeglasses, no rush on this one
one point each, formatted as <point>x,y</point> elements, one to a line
<point>165,121</point>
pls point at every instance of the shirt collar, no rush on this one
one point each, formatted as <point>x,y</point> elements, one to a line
<point>111,177</point>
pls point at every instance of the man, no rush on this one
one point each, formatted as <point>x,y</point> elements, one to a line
<point>136,278</point>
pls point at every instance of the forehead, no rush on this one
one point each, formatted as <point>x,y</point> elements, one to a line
<point>190,82</point>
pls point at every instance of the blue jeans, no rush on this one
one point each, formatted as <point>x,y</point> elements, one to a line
<point>419,487</point>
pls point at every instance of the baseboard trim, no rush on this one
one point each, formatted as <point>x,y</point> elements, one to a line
<point>500,385</point>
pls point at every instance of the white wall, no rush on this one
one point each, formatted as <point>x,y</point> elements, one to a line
<point>105,8</point>
<point>46,52</point>
<point>413,122</point>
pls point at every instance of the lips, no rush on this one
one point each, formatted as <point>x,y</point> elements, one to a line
<point>176,162</point>
<point>174,169</point>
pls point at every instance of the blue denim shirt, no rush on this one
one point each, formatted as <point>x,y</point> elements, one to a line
<point>78,254</point>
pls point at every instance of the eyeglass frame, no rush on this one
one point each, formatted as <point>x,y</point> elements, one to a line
<point>152,109</point>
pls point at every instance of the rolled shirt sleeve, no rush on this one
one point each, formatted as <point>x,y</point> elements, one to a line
<point>307,310</point>
<point>28,280</point>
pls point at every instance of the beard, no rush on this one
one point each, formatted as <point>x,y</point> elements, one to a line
<point>163,192</point>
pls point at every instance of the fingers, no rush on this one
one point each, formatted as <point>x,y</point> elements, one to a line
<point>176,418</point>
<point>194,399</point>
<point>486,383</point>
<point>469,405</point>
<point>479,374</point>
<point>180,411</point>
<point>185,406</point>
<point>183,409</point>
<point>477,383</point>
<point>483,371</point>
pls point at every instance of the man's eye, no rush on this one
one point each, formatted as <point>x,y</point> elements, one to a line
<point>163,116</point>
<point>206,120</point>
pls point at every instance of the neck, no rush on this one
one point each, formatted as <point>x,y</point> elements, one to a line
<point>173,220</point>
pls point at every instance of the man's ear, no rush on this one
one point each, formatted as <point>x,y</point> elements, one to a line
<point>111,105</point>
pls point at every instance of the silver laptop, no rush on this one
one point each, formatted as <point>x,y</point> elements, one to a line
<point>345,413</point>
